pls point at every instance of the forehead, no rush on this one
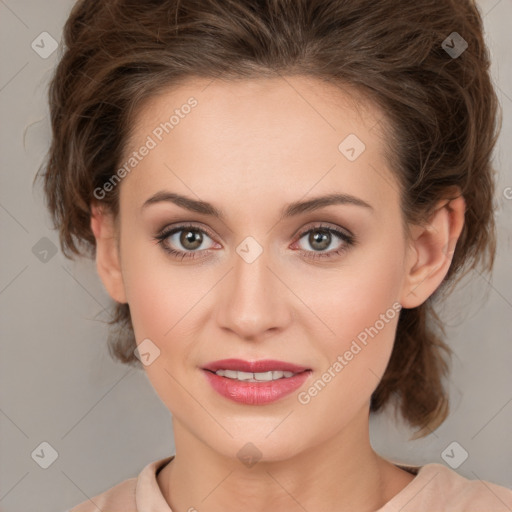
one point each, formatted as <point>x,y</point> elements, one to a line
<point>247,102</point>
<point>289,134</point>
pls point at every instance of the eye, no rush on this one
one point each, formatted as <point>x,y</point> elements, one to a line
<point>322,237</point>
<point>191,238</point>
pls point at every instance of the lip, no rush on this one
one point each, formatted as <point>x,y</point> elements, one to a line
<point>255,393</point>
<point>264,365</point>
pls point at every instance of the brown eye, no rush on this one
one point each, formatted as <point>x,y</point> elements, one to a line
<point>319,239</point>
<point>191,239</point>
<point>184,241</point>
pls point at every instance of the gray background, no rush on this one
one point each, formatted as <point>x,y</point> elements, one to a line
<point>58,383</point>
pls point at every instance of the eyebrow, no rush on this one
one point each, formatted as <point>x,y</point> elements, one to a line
<point>289,210</point>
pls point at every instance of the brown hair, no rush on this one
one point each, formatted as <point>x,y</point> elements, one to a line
<point>441,122</point>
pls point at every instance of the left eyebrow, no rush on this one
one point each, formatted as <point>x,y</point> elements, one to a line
<point>320,202</point>
<point>290,210</point>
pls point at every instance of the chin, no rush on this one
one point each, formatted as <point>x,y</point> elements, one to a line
<point>257,446</point>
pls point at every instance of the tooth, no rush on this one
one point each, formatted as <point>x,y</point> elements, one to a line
<point>263,376</point>
<point>245,375</point>
<point>254,377</point>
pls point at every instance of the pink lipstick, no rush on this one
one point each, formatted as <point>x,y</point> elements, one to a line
<point>255,382</point>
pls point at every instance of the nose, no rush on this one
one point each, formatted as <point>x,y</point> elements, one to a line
<point>254,300</point>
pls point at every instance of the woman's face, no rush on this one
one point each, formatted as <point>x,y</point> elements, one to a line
<point>264,281</point>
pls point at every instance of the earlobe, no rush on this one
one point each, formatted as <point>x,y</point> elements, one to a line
<point>107,253</point>
<point>431,251</point>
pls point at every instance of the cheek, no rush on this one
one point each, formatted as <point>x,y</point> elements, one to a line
<point>160,296</point>
<point>359,304</point>
<point>163,301</point>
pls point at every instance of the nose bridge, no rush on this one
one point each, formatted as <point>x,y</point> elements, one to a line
<point>254,301</point>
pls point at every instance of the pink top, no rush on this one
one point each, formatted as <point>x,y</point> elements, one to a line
<point>434,488</point>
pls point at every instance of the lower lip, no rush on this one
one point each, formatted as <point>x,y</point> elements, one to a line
<point>255,393</point>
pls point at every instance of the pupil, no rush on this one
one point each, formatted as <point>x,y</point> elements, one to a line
<point>191,237</point>
<point>317,236</point>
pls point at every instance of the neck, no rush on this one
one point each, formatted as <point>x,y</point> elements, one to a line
<point>341,473</point>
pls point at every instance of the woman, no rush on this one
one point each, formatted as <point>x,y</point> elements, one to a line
<point>274,192</point>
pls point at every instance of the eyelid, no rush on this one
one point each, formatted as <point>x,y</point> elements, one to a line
<point>184,225</point>
<point>298,234</point>
<point>323,225</point>
<point>344,235</point>
<point>172,229</point>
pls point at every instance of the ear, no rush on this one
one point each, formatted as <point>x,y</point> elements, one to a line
<point>430,251</point>
<point>108,261</point>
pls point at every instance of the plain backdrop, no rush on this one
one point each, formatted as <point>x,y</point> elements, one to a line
<point>102,420</point>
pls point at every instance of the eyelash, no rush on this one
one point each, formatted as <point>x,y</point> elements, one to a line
<point>349,240</point>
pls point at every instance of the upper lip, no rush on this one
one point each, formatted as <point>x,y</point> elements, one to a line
<point>264,365</point>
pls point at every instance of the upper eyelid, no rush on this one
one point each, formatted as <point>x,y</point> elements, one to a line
<point>173,229</point>
<point>326,226</point>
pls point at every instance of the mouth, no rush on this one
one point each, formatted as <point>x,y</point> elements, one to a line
<point>255,382</point>
<point>255,376</point>
<point>264,365</point>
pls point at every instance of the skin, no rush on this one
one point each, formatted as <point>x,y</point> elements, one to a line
<point>249,148</point>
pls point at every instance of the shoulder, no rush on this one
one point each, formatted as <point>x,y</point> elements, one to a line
<point>437,487</point>
<point>473,493</point>
<point>119,497</point>
<point>131,494</point>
